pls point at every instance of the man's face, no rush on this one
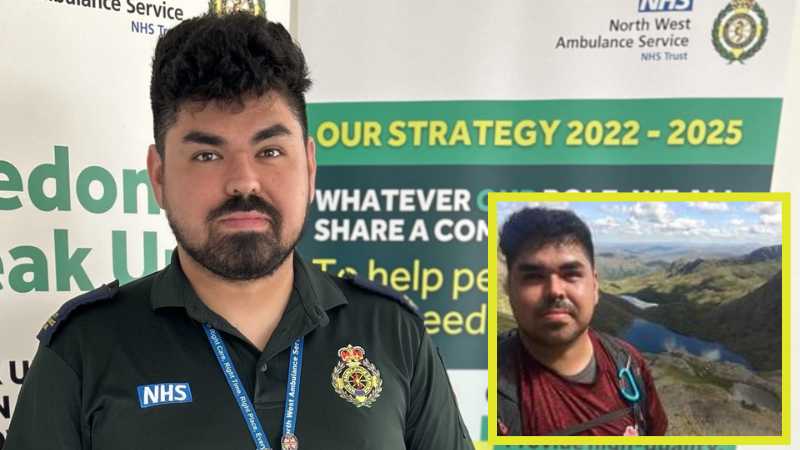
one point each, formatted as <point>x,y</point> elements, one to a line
<point>553,291</point>
<point>235,184</point>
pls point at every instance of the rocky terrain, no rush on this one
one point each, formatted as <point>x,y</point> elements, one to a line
<point>714,398</point>
<point>701,280</point>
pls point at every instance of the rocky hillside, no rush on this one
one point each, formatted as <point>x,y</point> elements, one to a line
<point>749,325</point>
<point>764,254</point>
<point>704,398</point>
<point>616,266</point>
<point>700,280</point>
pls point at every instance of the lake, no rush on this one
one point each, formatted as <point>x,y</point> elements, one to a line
<point>653,338</point>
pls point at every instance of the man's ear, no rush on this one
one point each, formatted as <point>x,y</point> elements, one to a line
<point>596,287</point>
<point>155,171</point>
<point>311,161</point>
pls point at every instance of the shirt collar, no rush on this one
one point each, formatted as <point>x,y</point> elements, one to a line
<point>313,294</point>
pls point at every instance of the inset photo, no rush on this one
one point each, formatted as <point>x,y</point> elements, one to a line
<point>659,315</point>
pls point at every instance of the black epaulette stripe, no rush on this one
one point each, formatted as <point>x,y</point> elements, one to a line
<point>386,291</point>
<point>104,292</point>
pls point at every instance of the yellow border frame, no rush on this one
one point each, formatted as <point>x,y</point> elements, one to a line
<point>785,198</point>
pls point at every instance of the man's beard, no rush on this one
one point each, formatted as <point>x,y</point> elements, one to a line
<point>239,256</point>
<point>553,337</point>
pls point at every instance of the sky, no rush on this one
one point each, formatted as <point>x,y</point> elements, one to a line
<point>707,223</point>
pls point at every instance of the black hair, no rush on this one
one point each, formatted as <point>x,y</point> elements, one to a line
<point>540,227</point>
<point>225,58</point>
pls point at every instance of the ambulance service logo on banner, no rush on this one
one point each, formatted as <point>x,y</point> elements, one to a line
<point>256,7</point>
<point>740,30</point>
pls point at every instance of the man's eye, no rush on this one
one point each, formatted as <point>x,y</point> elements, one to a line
<point>532,276</point>
<point>205,157</point>
<point>270,153</point>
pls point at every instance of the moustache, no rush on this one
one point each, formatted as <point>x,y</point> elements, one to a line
<point>246,204</point>
<point>558,304</point>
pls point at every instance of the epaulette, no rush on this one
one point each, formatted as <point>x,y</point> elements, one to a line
<point>386,291</point>
<point>104,292</point>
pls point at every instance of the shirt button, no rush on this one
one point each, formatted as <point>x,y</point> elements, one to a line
<point>264,368</point>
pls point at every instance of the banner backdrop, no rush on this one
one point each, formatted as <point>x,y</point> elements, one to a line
<point>76,207</point>
<point>420,109</point>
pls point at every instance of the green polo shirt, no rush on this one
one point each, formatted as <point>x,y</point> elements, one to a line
<point>82,390</point>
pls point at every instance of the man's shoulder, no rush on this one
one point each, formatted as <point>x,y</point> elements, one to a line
<point>506,344</point>
<point>98,307</point>
<point>507,357</point>
<point>364,293</point>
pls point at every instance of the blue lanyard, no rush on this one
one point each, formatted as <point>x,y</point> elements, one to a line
<point>248,412</point>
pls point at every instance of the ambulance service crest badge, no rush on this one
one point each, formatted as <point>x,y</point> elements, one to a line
<point>255,7</point>
<point>740,30</point>
<point>356,379</point>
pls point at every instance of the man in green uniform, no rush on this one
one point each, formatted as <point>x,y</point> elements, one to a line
<point>239,342</point>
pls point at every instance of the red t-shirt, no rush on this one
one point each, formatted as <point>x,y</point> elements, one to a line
<point>560,404</point>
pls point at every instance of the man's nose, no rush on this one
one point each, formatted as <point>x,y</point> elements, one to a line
<point>556,286</point>
<point>243,176</point>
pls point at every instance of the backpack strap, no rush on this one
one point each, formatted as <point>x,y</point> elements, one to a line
<point>624,360</point>
<point>509,418</point>
<point>596,422</point>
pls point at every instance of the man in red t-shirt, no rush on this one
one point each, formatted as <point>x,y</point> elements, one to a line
<point>556,376</point>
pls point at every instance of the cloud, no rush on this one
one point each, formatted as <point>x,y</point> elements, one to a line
<point>717,233</point>
<point>607,225</point>
<point>764,230</point>
<point>656,212</point>
<point>769,208</point>
<point>703,222</point>
<point>709,207</point>
<point>684,223</point>
<point>607,222</point>
<point>614,208</point>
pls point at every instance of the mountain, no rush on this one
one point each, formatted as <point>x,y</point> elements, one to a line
<point>673,252</point>
<point>734,301</point>
<point>749,326</point>
<point>702,280</point>
<point>618,265</point>
<point>612,314</point>
<point>774,252</point>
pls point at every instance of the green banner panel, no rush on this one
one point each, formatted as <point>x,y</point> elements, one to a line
<point>547,132</point>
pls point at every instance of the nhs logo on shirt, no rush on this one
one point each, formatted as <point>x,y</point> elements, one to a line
<point>163,394</point>
<point>664,5</point>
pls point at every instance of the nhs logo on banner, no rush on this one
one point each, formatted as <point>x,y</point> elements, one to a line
<point>163,394</point>
<point>664,5</point>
